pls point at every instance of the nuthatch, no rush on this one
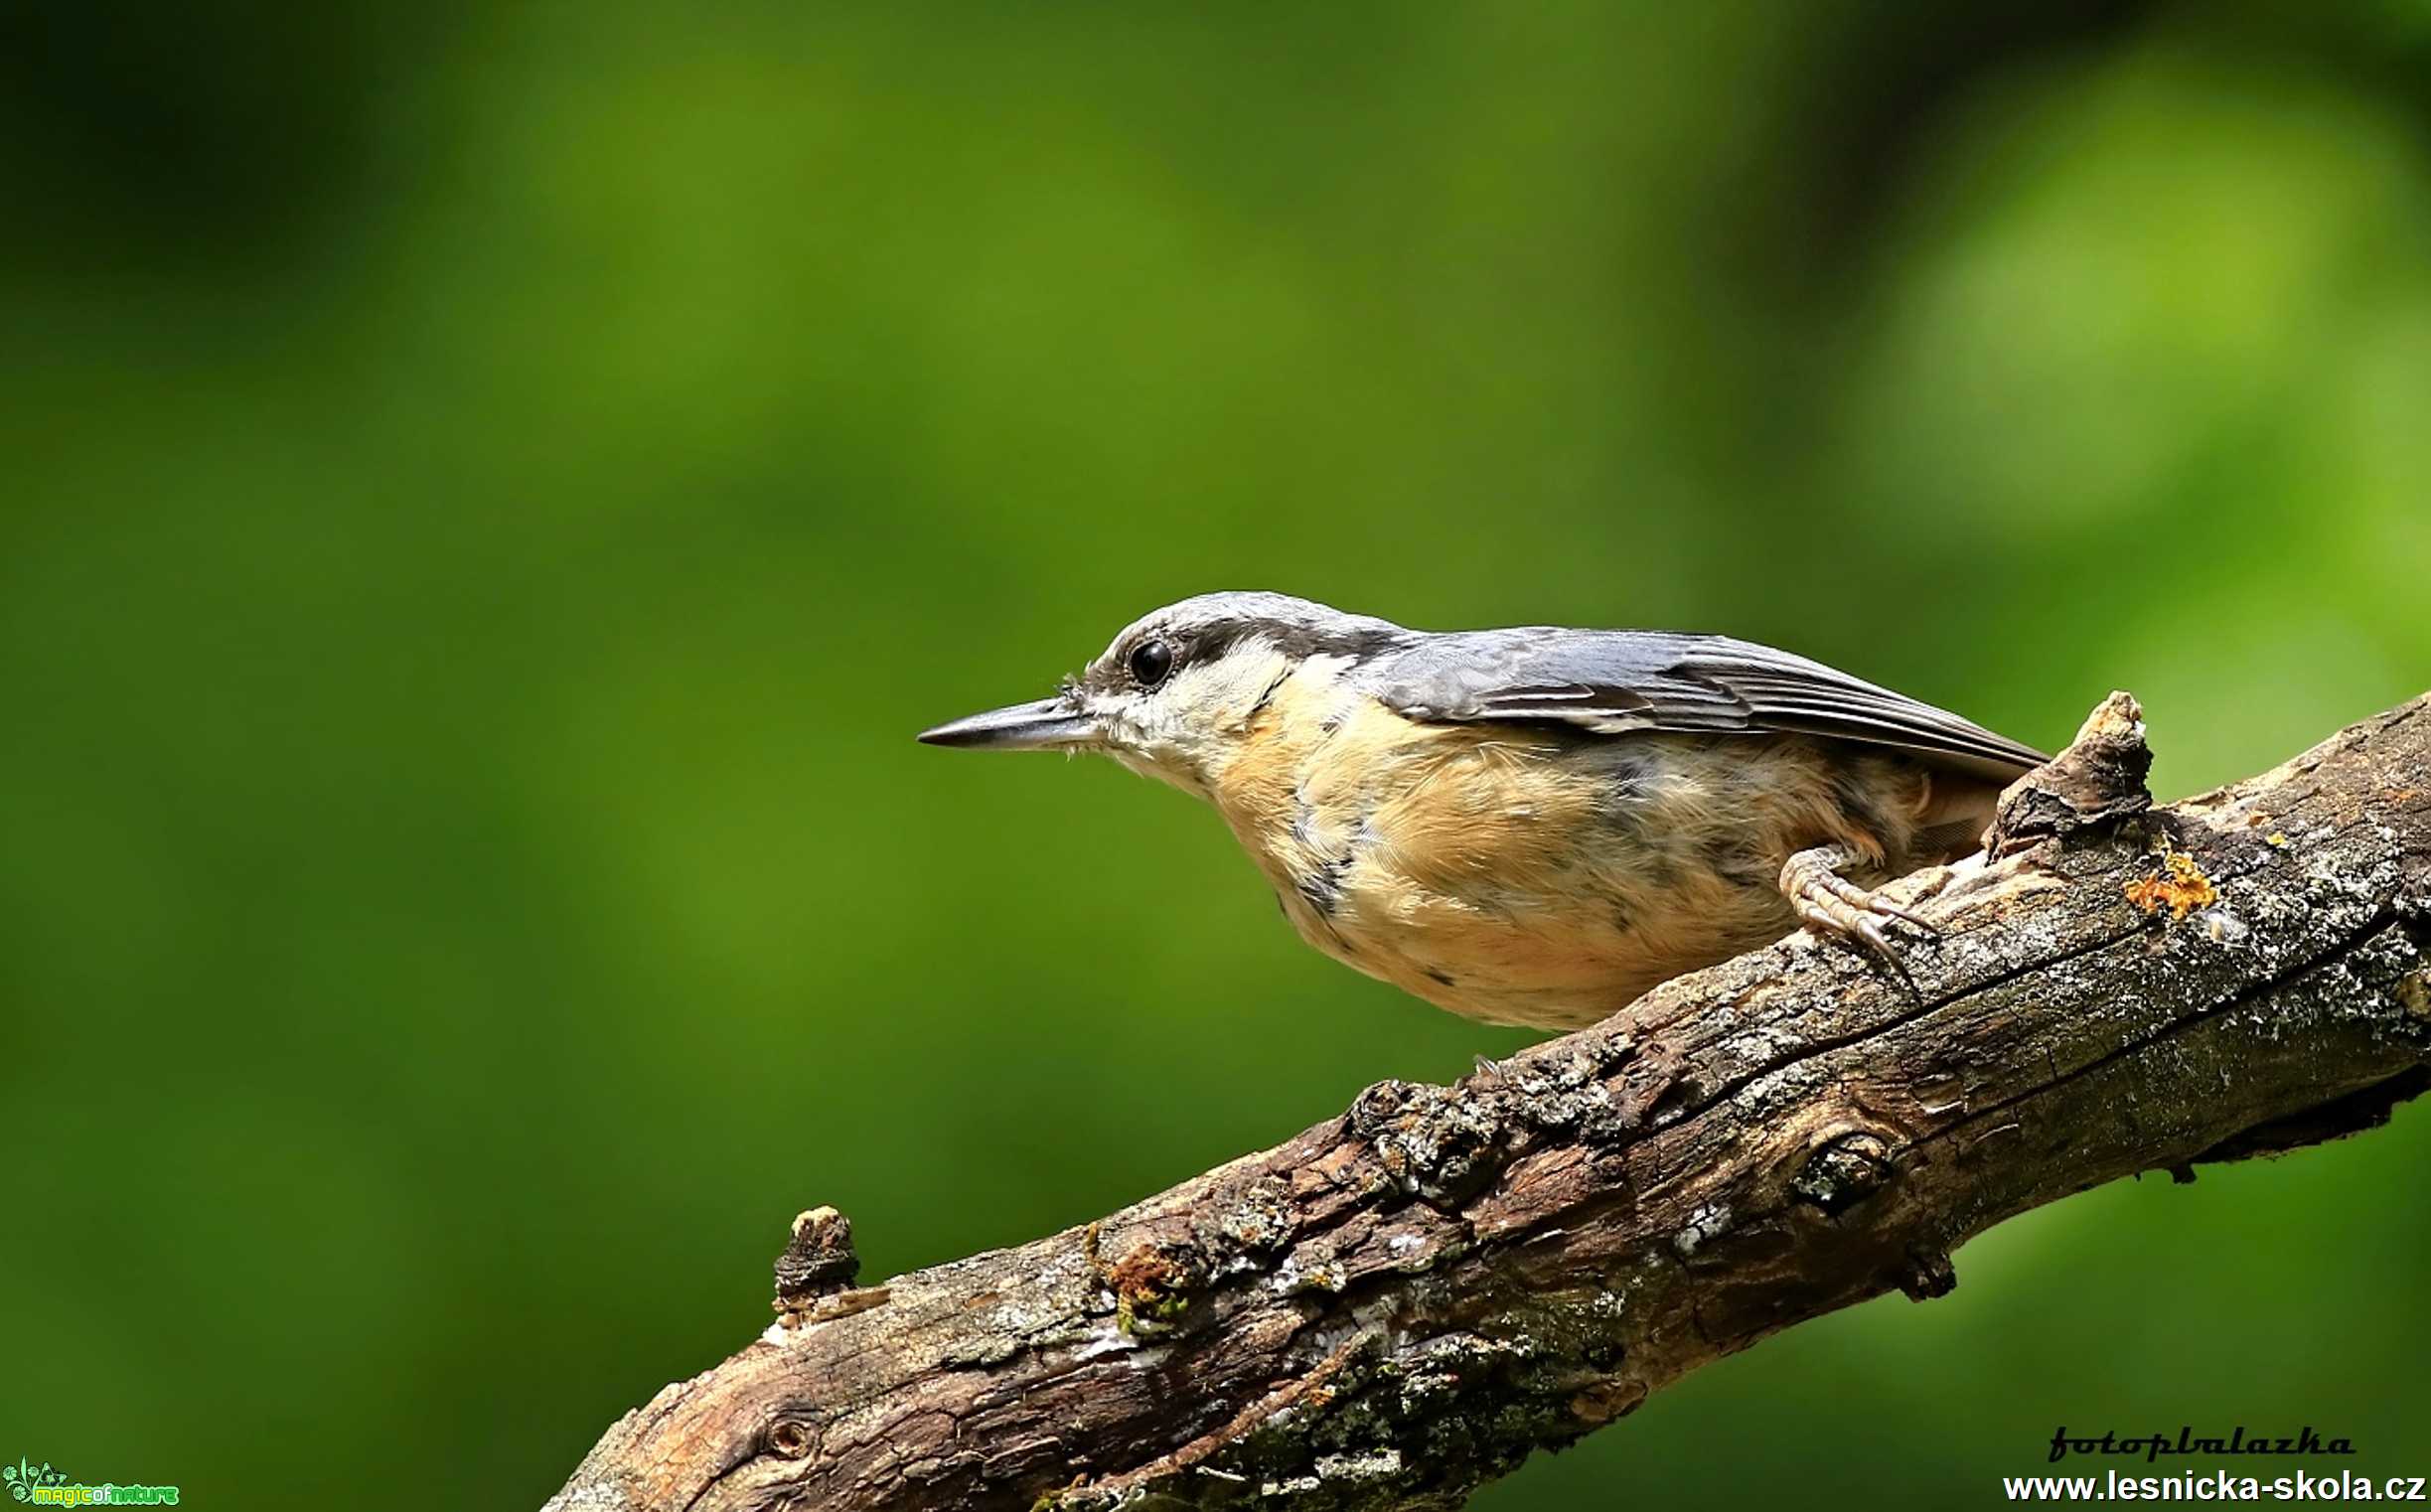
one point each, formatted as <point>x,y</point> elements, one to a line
<point>1530,826</point>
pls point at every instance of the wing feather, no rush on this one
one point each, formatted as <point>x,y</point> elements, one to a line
<point>1611,681</point>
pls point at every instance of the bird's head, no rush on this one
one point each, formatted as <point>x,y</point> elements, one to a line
<point>1176,695</point>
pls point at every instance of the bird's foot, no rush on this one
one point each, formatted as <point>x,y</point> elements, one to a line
<point>1832,905</point>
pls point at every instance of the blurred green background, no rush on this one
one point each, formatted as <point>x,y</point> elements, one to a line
<point>490,492</point>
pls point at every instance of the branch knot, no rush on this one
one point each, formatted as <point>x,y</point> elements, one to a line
<point>2096,782</point>
<point>817,1260</point>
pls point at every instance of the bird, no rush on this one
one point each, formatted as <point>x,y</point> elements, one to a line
<point>1530,826</point>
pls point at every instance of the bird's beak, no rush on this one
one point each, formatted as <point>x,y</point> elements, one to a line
<point>1050,724</point>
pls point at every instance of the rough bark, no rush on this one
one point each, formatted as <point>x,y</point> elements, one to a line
<point>1405,1301</point>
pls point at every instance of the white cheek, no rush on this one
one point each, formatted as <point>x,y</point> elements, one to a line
<point>1187,728</point>
<point>1181,741</point>
<point>1324,670</point>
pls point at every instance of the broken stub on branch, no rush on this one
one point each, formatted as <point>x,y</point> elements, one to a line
<point>2096,782</point>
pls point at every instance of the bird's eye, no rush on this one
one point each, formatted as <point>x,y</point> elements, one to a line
<point>1152,661</point>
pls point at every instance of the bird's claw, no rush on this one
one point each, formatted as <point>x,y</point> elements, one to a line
<point>1832,905</point>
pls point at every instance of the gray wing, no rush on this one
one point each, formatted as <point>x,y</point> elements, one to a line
<point>1611,681</point>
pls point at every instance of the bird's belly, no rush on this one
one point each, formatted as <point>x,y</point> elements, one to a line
<point>1558,953</point>
<point>1537,876</point>
<point>1547,884</point>
<point>1537,885</point>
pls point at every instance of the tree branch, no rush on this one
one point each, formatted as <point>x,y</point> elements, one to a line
<point>1405,1301</point>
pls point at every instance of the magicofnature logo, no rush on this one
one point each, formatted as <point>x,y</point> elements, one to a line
<point>47,1487</point>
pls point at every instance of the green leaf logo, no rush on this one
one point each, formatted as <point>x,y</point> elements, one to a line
<point>22,1478</point>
